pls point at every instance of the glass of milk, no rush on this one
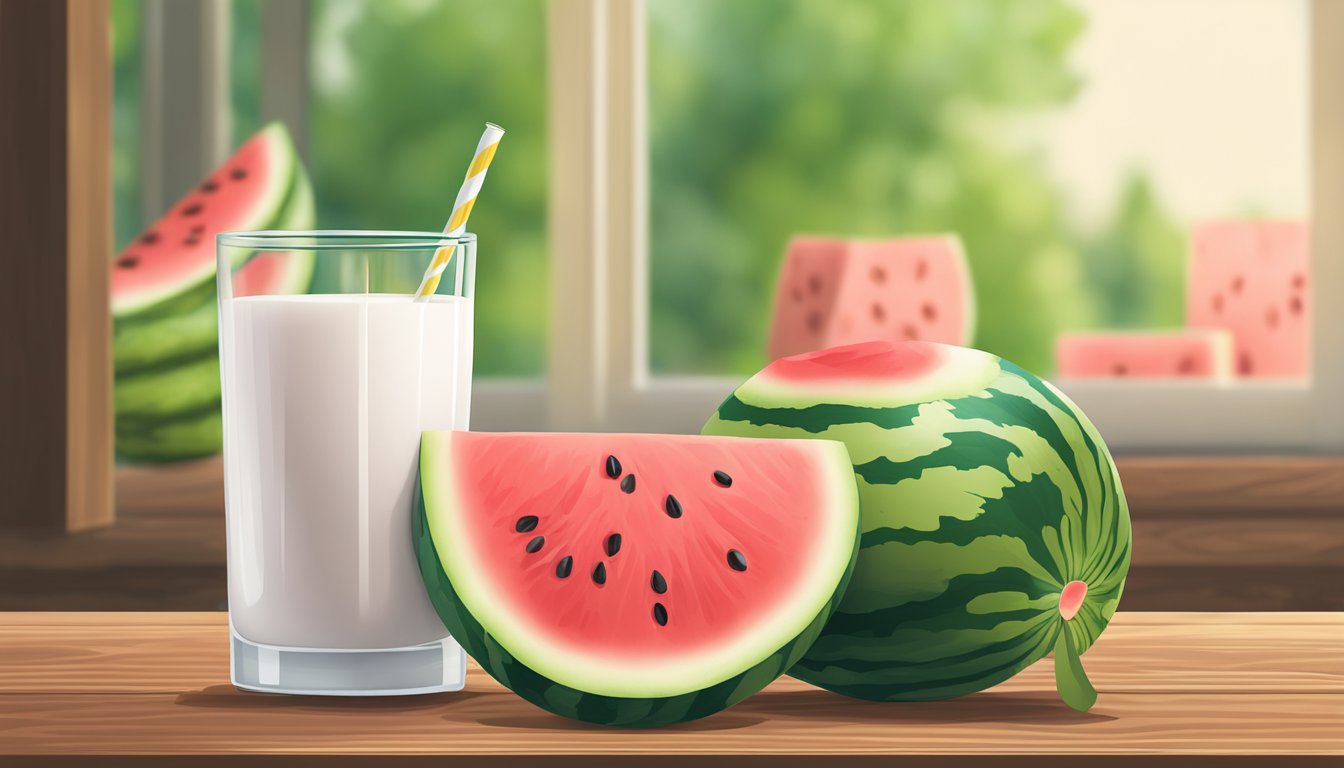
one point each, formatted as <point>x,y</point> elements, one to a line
<point>327,385</point>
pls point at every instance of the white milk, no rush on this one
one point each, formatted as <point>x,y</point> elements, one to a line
<point>324,401</point>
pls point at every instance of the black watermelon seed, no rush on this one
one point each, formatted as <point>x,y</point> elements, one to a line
<point>613,544</point>
<point>536,543</point>
<point>672,507</point>
<point>149,238</point>
<point>193,240</point>
<point>736,561</point>
<point>658,583</point>
<point>237,173</point>
<point>191,210</point>
<point>628,484</point>
<point>126,262</point>
<point>525,523</point>
<point>209,186</point>
<point>600,574</point>
<point>563,567</point>
<point>660,614</point>
<point>722,478</point>
<point>613,467</point>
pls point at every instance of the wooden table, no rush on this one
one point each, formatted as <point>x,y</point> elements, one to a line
<point>1176,688</point>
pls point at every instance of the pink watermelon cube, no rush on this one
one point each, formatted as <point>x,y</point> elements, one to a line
<point>833,292</point>
<point>1191,353</point>
<point>1253,279</point>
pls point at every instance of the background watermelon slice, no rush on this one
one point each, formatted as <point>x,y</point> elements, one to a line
<point>833,292</point>
<point>1190,353</point>
<point>175,254</point>
<point>634,579</point>
<point>985,494</point>
<point>1252,278</point>
<point>165,332</point>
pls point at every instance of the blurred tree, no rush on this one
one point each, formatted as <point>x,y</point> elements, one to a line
<point>244,68</point>
<point>871,117</point>
<point>125,23</point>
<point>1137,264</point>
<point>401,92</point>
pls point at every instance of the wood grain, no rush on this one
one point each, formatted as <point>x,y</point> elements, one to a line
<point>55,186</point>
<point>1182,688</point>
<point>1233,485</point>
<point>104,652</point>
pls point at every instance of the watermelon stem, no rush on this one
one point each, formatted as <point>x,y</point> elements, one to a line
<point>1070,678</point>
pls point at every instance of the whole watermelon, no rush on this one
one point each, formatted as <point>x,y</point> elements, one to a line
<point>994,528</point>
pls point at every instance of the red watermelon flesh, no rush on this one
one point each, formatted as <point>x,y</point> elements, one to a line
<point>899,289</point>
<point>1253,279</point>
<point>1191,353</point>
<point>634,566</point>
<point>805,295</point>
<point>177,253</point>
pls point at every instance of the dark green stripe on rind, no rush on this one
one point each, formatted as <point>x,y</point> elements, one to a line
<point>590,707</point>
<point>817,418</point>
<point>1060,515</point>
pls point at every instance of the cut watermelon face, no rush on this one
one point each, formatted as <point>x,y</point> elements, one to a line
<point>634,579</point>
<point>835,292</point>
<point>1252,278</point>
<point>874,374</point>
<point>177,253</point>
<point>1204,354</point>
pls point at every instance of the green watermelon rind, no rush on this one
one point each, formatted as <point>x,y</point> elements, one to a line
<point>189,436</point>
<point>188,324</point>
<point>544,692</point>
<point>904,634</point>
<point>268,209</point>
<point>187,387</point>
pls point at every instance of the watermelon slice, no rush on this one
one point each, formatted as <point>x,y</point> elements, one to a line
<point>805,294</point>
<point>176,254</point>
<point>1192,353</point>
<point>188,326</point>
<point>1252,278</point>
<point>634,579</point>
<point>834,292</point>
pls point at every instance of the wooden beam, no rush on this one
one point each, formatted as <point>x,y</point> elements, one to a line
<point>1234,485</point>
<point>56,220</point>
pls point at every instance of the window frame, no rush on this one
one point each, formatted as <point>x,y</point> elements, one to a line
<point>597,375</point>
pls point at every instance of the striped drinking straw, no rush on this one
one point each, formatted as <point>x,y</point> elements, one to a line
<point>466,198</point>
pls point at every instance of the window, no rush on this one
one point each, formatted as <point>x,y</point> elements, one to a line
<point>1070,144</point>
<point>660,154</point>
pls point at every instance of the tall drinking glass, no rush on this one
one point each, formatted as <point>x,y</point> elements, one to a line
<point>330,372</point>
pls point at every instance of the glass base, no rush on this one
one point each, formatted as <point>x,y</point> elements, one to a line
<point>429,668</point>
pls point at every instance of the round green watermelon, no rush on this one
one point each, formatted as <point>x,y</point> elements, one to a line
<point>634,580</point>
<point>994,528</point>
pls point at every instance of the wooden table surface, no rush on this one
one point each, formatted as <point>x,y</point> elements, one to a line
<point>1177,688</point>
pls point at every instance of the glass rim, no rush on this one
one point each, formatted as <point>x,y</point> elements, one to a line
<point>341,239</point>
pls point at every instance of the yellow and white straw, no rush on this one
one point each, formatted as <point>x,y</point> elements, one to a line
<point>466,198</point>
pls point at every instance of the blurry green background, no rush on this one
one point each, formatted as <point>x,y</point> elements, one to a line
<point>766,118</point>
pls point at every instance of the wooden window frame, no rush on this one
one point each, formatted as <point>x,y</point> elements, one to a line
<point>56,225</point>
